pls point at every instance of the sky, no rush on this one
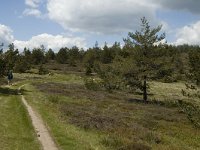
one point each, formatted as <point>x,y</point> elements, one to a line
<point>66,23</point>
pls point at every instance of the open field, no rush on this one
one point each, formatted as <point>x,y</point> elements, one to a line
<point>100,75</point>
<point>83,119</point>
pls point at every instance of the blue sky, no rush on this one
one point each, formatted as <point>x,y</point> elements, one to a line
<point>60,23</point>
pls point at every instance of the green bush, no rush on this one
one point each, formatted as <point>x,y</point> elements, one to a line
<point>92,84</point>
<point>22,66</point>
<point>88,70</point>
<point>192,111</point>
<point>42,70</point>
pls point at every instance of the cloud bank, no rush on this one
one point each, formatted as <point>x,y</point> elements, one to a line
<point>6,35</point>
<point>50,41</point>
<point>54,42</point>
<point>105,17</point>
<point>113,16</point>
<point>184,5</point>
<point>100,16</point>
<point>189,34</point>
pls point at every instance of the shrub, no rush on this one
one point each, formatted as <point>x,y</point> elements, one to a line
<point>42,70</point>
<point>192,112</point>
<point>92,84</point>
<point>88,70</point>
<point>22,66</point>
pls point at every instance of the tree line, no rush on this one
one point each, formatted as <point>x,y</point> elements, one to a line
<point>142,57</point>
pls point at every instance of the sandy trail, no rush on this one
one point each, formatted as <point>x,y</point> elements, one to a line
<point>43,134</point>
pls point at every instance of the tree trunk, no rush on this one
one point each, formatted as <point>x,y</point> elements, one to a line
<point>145,89</point>
<point>197,82</point>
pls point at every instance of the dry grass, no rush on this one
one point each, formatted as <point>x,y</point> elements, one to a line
<point>171,91</point>
<point>65,68</point>
<point>122,119</point>
<point>129,125</point>
<point>76,90</point>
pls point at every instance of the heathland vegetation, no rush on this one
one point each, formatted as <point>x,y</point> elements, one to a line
<point>142,95</point>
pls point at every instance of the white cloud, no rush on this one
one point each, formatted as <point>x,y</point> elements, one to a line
<point>32,12</point>
<point>32,3</point>
<point>33,8</point>
<point>189,34</point>
<point>100,16</point>
<point>50,41</point>
<point>6,36</point>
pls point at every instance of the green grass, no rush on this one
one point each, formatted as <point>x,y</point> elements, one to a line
<point>171,91</point>
<point>16,129</point>
<point>67,136</point>
<point>59,78</point>
<point>83,119</point>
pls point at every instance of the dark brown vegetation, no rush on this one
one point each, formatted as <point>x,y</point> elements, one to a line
<point>129,124</point>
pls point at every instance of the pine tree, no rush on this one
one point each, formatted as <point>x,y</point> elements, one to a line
<point>144,42</point>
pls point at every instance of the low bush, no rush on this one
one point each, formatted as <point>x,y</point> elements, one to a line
<point>92,84</point>
<point>42,70</point>
<point>192,112</point>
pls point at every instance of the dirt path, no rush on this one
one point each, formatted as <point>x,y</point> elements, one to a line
<point>42,132</point>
